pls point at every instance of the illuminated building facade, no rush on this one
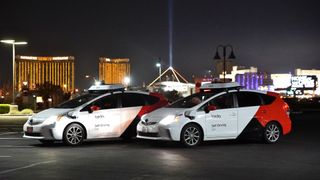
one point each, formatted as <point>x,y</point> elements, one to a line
<point>310,72</point>
<point>35,70</point>
<point>281,82</point>
<point>239,70</point>
<point>114,71</point>
<point>296,85</point>
<point>250,80</point>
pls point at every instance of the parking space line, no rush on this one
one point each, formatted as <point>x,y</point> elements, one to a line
<point>10,146</point>
<point>9,133</point>
<point>25,167</point>
<point>5,156</point>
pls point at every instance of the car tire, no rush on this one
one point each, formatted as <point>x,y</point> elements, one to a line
<point>272,133</point>
<point>191,135</point>
<point>46,142</point>
<point>73,135</point>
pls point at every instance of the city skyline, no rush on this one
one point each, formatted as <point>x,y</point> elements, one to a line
<point>273,36</point>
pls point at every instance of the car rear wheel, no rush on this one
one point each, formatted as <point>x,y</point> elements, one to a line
<point>191,135</point>
<point>73,135</point>
<point>272,133</point>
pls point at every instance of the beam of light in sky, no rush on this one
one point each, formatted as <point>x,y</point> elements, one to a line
<point>170,18</point>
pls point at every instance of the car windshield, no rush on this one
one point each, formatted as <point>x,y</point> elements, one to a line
<point>78,101</point>
<point>191,100</point>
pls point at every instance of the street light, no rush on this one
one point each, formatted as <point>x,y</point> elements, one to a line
<point>224,53</point>
<point>126,81</point>
<point>13,43</point>
<point>207,74</point>
<point>159,66</point>
<point>96,82</point>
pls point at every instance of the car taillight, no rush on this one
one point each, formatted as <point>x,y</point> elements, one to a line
<point>286,108</point>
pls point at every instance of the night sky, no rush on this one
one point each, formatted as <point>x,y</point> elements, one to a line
<point>277,36</point>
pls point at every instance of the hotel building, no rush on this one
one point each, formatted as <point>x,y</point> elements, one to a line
<point>114,71</point>
<point>32,71</point>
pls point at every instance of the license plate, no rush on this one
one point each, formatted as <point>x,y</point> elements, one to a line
<point>29,129</point>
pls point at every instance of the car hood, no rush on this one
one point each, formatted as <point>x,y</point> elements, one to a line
<point>43,115</point>
<point>159,114</point>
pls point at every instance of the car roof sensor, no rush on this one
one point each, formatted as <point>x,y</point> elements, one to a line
<point>219,87</point>
<point>105,88</point>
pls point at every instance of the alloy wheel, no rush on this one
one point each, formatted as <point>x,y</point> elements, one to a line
<point>191,136</point>
<point>74,135</point>
<point>272,133</point>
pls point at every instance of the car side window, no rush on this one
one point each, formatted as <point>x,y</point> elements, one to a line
<point>106,102</point>
<point>224,101</point>
<point>150,100</point>
<point>267,99</point>
<point>132,100</point>
<point>246,99</point>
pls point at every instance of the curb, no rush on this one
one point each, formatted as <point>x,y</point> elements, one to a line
<point>12,123</point>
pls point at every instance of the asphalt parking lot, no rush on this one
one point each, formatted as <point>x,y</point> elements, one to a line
<point>296,156</point>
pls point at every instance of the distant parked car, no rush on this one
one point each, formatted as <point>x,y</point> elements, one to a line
<point>219,111</point>
<point>106,111</point>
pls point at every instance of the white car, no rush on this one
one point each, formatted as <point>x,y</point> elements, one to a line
<point>218,113</point>
<point>98,114</point>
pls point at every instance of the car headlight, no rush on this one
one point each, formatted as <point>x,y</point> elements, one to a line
<point>30,119</point>
<point>169,120</point>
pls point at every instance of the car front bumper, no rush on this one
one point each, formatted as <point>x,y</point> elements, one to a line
<point>157,132</point>
<point>39,131</point>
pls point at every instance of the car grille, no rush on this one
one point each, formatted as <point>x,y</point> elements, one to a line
<point>33,134</point>
<point>148,134</point>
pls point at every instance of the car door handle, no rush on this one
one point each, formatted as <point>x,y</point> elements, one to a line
<point>233,114</point>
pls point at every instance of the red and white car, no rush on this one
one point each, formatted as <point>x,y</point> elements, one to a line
<point>219,111</point>
<point>107,111</point>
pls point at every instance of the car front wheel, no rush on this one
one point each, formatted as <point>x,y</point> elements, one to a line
<point>272,133</point>
<point>191,135</point>
<point>73,135</point>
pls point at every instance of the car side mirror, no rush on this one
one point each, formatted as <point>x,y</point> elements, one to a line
<point>209,108</point>
<point>71,115</point>
<point>190,114</point>
<point>93,108</point>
